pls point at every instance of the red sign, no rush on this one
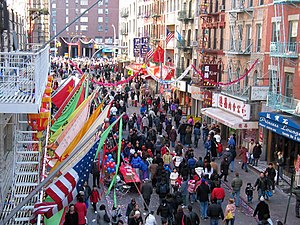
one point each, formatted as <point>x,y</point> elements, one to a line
<point>207,99</point>
<point>210,71</point>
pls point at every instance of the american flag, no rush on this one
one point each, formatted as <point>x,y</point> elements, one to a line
<point>149,54</point>
<point>169,36</point>
<point>65,189</point>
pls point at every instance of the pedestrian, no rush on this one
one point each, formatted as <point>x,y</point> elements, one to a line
<point>129,209</point>
<point>224,169</point>
<point>236,185</point>
<point>137,219</point>
<point>80,208</point>
<point>146,191</point>
<point>184,191</point>
<point>218,193</point>
<point>215,212</point>
<point>262,210</point>
<point>230,212</point>
<point>164,210</point>
<point>194,218</point>
<point>115,215</point>
<point>173,136</point>
<point>173,177</point>
<point>249,192</point>
<point>261,184</point>
<point>191,190</point>
<point>87,193</point>
<point>178,216</point>
<point>205,131</point>
<point>162,189</point>
<point>208,144</point>
<point>96,173</point>
<point>271,174</point>
<point>203,197</point>
<point>94,198</point>
<point>150,219</point>
<point>256,153</point>
<point>250,150</point>
<point>197,134</point>
<point>244,156</point>
<point>71,217</point>
<point>296,192</point>
<point>167,158</point>
<point>280,164</point>
<point>188,135</point>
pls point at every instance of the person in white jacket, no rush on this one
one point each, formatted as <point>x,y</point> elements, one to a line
<point>150,219</point>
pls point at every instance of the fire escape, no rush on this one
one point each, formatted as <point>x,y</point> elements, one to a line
<point>239,45</point>
<point>156,34</point>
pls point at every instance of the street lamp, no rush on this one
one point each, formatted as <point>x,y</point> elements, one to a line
<point>114,28</point>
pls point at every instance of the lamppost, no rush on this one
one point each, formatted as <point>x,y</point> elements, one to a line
<point>114,28</point>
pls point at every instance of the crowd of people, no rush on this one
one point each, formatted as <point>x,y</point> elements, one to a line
<point>160,148</point>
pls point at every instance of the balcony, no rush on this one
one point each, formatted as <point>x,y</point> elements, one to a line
<point>124,14</point>
<point>23,79</point>
<point>285,1</point>
<point>284,50</point>
<point>185,46</point>
<point>239,6</point>
<point>236,47</point>
<point>185,15</point>
<point>282,102</point>
<point>124,32</point>
<point>179,72</point>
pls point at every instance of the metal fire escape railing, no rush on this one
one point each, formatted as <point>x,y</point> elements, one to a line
<point>26,175</point>
<point>23,78</point>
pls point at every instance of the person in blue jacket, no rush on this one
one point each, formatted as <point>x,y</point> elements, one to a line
<point>136,163</point>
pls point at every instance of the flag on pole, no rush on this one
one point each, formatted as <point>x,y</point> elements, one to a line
<point>179,37</point>
<point>158,55</point>
<point>149,54</point>
<point>60,96</point>
<point>169,36</point>
<point>64,190</point>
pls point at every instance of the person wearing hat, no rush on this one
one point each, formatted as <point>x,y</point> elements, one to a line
<point>262,210</point>
<point>137,219</point>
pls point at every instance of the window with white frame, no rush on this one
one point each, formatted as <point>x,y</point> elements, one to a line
<point>275,31</point>
<point>84,2</point>
<point>82,10</point>
<point>288,87</point>
<point>100,19</point>
<point>84,19</point>
<point>100,11</point>
<point>83,27</point>
<point>258,37</point>
<point>67,12</point>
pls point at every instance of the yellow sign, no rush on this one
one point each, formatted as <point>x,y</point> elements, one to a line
<point>196,119</point>
<point>129,72</point>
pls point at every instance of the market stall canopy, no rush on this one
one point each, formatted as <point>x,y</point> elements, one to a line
<point>137,67</point>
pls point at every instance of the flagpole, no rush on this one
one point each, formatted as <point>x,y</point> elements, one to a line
<point>50,176</point>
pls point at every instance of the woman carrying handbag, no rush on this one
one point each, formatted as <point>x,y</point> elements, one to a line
<point>230,212</point>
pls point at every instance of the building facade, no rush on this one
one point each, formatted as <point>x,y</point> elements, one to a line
<point>93,31</point>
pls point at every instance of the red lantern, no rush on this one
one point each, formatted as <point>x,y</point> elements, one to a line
<point>46,101</point>
<point>48,90</point>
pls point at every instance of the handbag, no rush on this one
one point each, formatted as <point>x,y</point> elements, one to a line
<point>106,218</point>
<point>269,193</point>
<point>229,216</point>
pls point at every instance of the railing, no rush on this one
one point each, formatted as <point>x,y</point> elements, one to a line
<point>185,15</point>
<point>237,47</point>
<point>285,1</point>
<point>286,50</point>
<point>183,44</point>
<point>23,78</point>
<point>237,90</point>
<point>124,14</point>
<point>124,32</point>
<point>282,102</point>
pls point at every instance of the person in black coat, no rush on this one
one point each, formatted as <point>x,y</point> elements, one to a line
<point>193,216</point>
<point>165,211</point>
<point>215,212</point>
<point>256,153</point>
<point>71,217</point>
<point>262,210</point>
<point>129,209</point>
<point>224,169</point>
<point>271,173</point>
<point>146,192</point>
<point>203,197</point>
<point>96,173</point>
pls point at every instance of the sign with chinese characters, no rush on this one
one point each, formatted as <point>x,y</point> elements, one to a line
<point>181,85</point>
<point>140,46</point>
<point>144,46</point>
<point>210,71</point>
<point>234,106</point>
<point>197,93</point>
<point>207,99</point>
<point>280,125</point>
<point>259,93</point>
<point>136,47</point>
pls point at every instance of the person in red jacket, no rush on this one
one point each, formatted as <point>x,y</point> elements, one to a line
<point>80,208</point>
<point>218,193</point>
<point>95,197</point>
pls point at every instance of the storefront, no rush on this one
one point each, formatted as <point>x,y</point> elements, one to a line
<point>233,117</point>
<point>197,96</point>
<point>181,92</point>
<point>281,132</point>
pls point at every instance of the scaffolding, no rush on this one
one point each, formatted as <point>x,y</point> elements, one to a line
<point>283,50</point>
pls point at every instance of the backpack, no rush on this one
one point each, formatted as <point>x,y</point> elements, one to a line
<point>163,189</point>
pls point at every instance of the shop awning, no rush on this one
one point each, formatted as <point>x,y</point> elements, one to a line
<point>228,119</point>
<point>283,124</point>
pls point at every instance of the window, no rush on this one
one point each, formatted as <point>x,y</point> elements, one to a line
<point>100,11</point>
<point>215,39</point>
<point>84,19</point>
<point>293,28</point>
<point>84,2</point>
<point>288,87</point>
<point>275,31</point>
<point>221,38</point>
<point>258,37</point>
<point>106,11</point>
<point>100,28</point>
<point>250,3</point>
<point>82,10</point>
<point>98,39</point>
<point>209,37</point>
<point>67,19</point>
<point>240,37</point>
<point>53,5</point>
<point>83,27</point>
<point>261,2</point>
<point>100,3</point>
<point>100,19</point>
<point>67,12</point>
<point>106,28</point>
<point>106,19</point>
<point>248,38</point>
<point>76,27</point>
<point>231,38</point>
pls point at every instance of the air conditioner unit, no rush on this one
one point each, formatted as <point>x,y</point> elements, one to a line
<point>222,7</point>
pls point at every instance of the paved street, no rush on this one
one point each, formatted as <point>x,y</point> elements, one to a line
<point>277,203</point>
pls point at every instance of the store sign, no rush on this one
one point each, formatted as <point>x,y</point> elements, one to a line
<point>196,93</point>
<point>207,99</point>
<point>279,127</point>
<point>259,93</point>
<point>234,106</point>
<point>181,85</point>
<point>140,46</point>
<point>210,71</point>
